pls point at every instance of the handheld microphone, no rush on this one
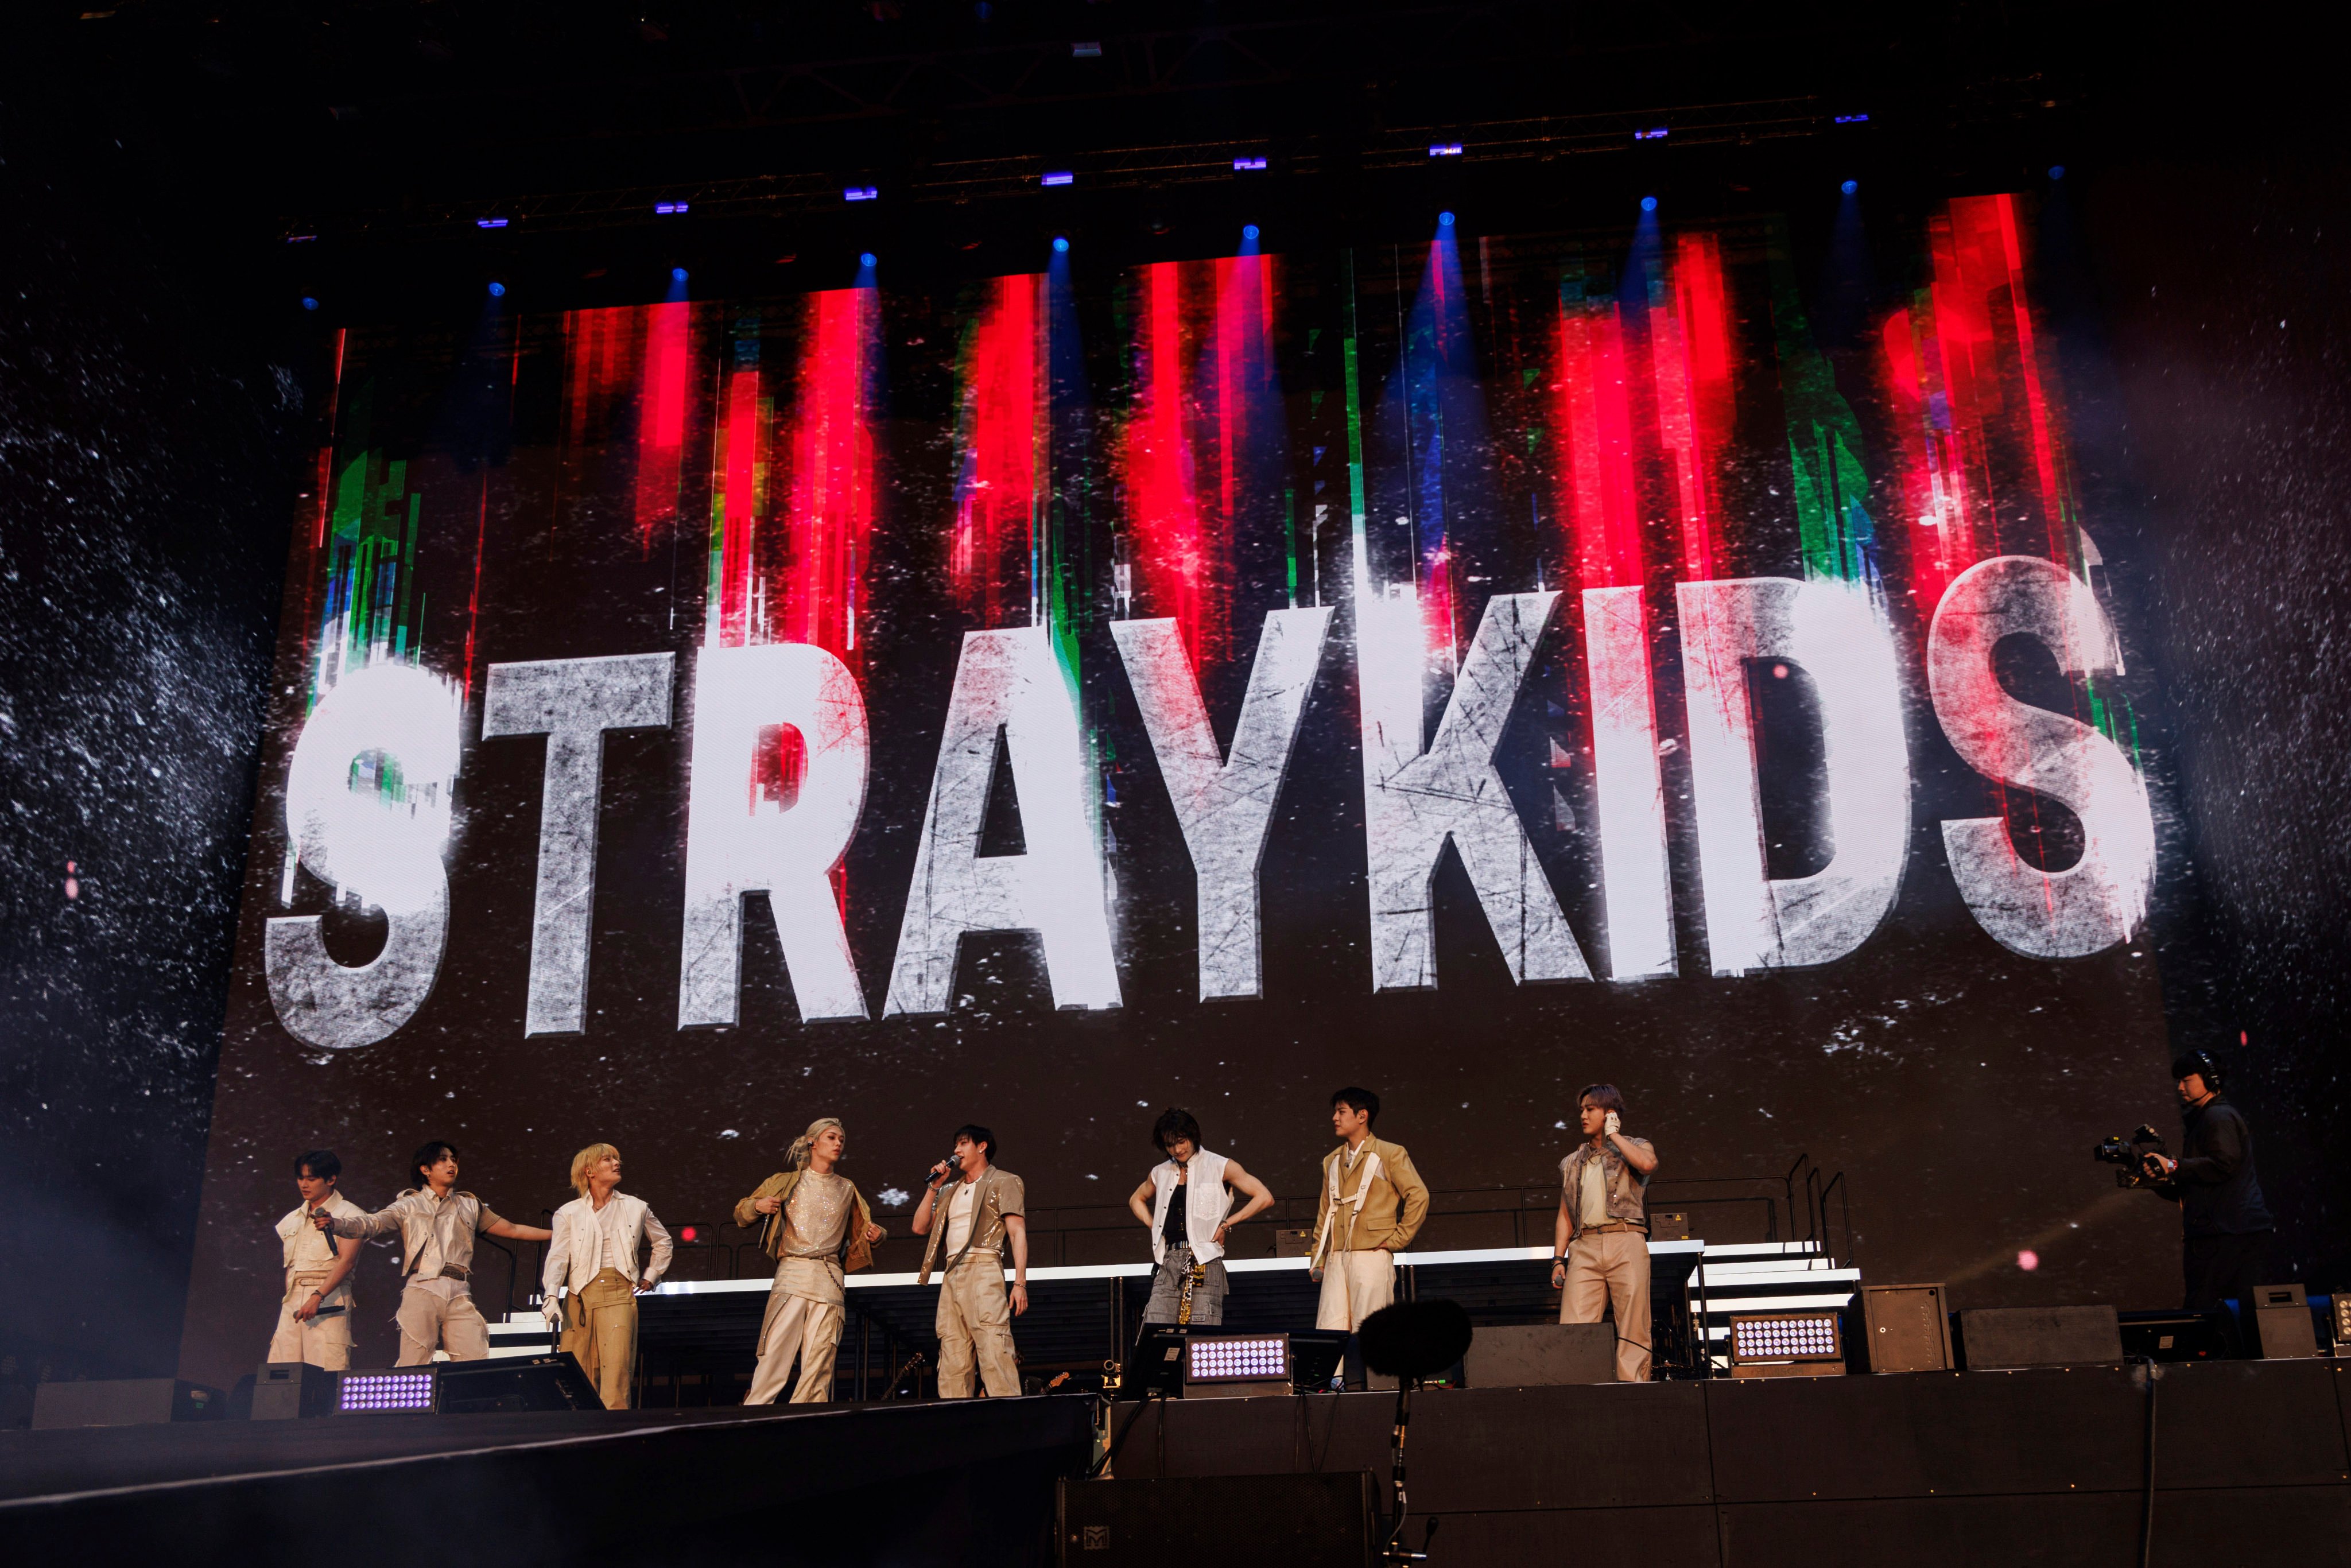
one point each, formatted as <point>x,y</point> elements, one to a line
<point>955,1167</point>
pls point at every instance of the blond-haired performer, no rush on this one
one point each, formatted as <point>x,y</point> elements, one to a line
<point>1373,1205</point>
<point>599,1236</point>
<point>819,1229</point>
<point>438,1225</point>
<point>1601,1241</point>
<point>988,1208</point>
<point>318,1271</point>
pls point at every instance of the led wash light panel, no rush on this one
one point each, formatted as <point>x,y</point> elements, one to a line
<point>1235,1360</point>
<point>1813,1337</point>
<point>385,1393</point>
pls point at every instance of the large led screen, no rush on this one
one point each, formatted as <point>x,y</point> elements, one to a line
<point>1469,669</point>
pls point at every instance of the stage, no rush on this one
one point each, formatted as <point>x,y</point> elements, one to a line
<point>2050,1465</point>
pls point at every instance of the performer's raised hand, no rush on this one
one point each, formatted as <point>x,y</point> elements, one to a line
<point>941,1171</point>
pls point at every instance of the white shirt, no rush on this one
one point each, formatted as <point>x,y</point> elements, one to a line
<point>589,1240</point>
<point>960,1217</point>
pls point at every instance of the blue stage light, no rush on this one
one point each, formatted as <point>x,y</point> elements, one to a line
<point>1852,120</point>
<point>498,291</point>
<point>2056,171</point>
<point>1061,245</point>
<point>1243,163</point>
<point>861,193</point>
<point>1445,220</point>
<point>1654,133</point>
<point>678,275</point>
<point>489,223</point>
<point>1648,203</point>
<point>1060,177</point>
<point>1445,150</point>
<point>309,303</point>
<point>1850,186</point>
<point>865,258</point>
<point>1249,232</point>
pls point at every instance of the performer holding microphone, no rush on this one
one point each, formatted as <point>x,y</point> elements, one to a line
<point>987,1207</point>
<point>598,1236</point>
<point>314,1323</point>
<point>1185,1202</point>
<point>819,1229</point>
<point>1600,1243</point>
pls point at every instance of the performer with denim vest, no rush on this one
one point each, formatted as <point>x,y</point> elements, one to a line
<point>1185,1202</point>
<point>985,1208</point>
<point>1601,1240</point>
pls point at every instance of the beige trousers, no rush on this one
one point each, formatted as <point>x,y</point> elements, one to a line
<point>802,1326</point>
<point>1354,1286</point>
<point>440,1314</point>
<point>975,1323</point>
<point>600,1330</point>
<point>321,1341</point>
<point>1612,1269</point>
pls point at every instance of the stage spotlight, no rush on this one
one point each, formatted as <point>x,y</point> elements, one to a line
<point>1648,203</point>
<point>2056,171</point>
<point>489,223</point>
<point>1445,220</point>
<point>1249,231</point>
<point>667,208</point>
<point>1246,163</point>
<point>1060,177</point>
<point>1445,150</point>
<point>1061,245</point>
<point>1850,186</point>
<point>678,275</point>
<point>309,303</point>
<point>1655,133</point>
<point>861,193</point>
<point>865,258</point>
<point>498,291</point>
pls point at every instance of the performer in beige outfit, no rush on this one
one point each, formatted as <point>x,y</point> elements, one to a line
<point>598,1236</point>
<point>1601,1239</point>
<point>819,1229</point>
<point>1372,1206</point>
<point>314,1322</point>
<point>438,1225</point>
<point>986,1208</point>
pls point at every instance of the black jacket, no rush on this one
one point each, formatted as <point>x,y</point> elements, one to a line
<point>2215,1187</point>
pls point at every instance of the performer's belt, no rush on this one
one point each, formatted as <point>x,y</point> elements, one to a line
<point>448,1271</point>
<point>1640,1224</point>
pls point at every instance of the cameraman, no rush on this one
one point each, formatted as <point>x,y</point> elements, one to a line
<point>2226,1226</point>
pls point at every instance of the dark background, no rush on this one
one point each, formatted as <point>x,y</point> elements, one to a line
<point>159,387</point>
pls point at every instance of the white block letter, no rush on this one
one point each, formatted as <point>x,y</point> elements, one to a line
<point>367,807</point>
<point>1414,799</point>
<point>1753,921</point>
<point>1225,806</point>
<point>572,702</point>
<point>1008,681</point>
<point>2102,897</point>
<point>741,839</point>
<point>1635,877</point>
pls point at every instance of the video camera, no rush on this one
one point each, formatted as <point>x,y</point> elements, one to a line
<point>2129,1156</point>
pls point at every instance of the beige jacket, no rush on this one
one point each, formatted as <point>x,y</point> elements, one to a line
<point>1394,1201</point>
<point>1000,1194</point>
<point>856,1252</point>
<point>419,1217</point>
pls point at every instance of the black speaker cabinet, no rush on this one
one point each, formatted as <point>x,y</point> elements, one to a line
<point>1539,1356</point>
<point>283,1390</point>
<point>515,1382</point>
<point>1904,1328</point>
<point>125,1401</point>
<point>1297,1520</point>
<point>2003,1338</point>
<point>2281,1321</point>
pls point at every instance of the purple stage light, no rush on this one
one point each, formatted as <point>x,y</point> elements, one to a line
<point>861,193</point>
<point>489,223</point>
<point>1249,163</point>
<point>1085,51</point>
<point>1852,120</point>
<point>1060,177</point>
<point>1445,150</point>
<point>668,207</point>
<point>1655,133</point>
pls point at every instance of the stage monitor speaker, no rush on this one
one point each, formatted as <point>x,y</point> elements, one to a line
<point>1904,1328</point>
<point>124,1402</point>
<point>2173,1335</point>
<point>2341,1303</point>
<point>2280,1323</point>
<point>1297,1520</point>
<point>1997,1339</point>
<point>1541,1356</point>
<point>514,1383</point>
<point>283,1390</point>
